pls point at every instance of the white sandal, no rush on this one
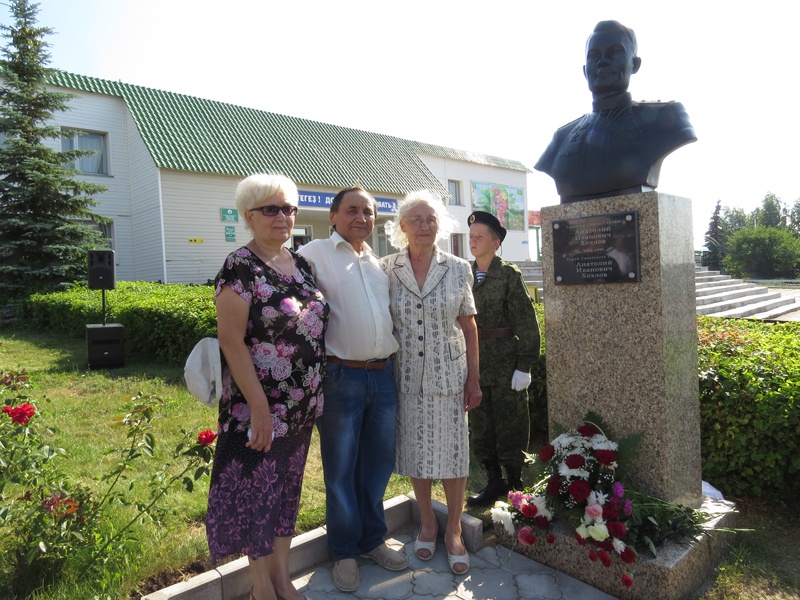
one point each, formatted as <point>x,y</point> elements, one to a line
<point>419,545</point>
<point>455,559</point>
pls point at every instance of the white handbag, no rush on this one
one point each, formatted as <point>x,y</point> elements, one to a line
<point>203,372</point>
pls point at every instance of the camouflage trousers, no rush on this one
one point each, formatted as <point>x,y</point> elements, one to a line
<point>500,426</point>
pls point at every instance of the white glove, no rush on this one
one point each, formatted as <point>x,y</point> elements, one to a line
<point>520,381</point>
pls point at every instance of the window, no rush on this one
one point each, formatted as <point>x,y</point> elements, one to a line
<point>457,244</point>
<point>95,163</point>
<point>454,187</point>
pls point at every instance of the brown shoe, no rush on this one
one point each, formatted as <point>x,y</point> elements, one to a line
<point>387,558</point>
<point>345,575</point>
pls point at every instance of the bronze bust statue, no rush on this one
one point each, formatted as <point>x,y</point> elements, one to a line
<point>618,148</point>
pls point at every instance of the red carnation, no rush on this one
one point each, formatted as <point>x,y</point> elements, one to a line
<point>529,510</point>
<point>606,545</point>
<point>579,490</point>
<point>206,437</point>
<point>627,581</point>
<point>21,414</point>
<point>546,453</point>
<point>580,540</point>
<point>551,539</point>
<point>605,457</point>
<point>628,556</point>
<point>553,486</point>
<point>6,409</point>
<point>592,555</point>
<point>617,529</point>
<point>588,430</point>
<point>542,522</point>
<point>605,559</point>
<point>526,537</point>
<point>610,511</point>
<point>575,461</point>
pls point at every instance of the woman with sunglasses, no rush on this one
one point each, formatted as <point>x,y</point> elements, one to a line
<point>271,321</point>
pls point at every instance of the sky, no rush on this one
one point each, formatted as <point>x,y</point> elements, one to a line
<point>492,77</point>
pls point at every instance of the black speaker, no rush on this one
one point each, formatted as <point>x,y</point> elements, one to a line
<point>105,345</point>
<point>101,270</point>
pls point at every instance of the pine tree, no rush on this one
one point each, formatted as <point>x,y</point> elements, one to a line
<point>715,240</point>
<point>45,212</point>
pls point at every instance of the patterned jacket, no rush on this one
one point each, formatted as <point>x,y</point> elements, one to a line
<point>502,300</point>
<point>432,356</point>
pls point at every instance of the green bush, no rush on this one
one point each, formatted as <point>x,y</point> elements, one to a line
<point>763,253</point>
<point>750,406</point>
<point>165,321</point>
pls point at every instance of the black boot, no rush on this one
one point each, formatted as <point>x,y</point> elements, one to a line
<point>496,486</point>
<point>514,477</point>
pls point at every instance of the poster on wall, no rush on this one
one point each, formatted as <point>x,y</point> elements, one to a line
<point>503,201</point>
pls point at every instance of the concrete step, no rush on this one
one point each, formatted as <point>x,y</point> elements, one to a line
<point>729,286</point>
<point>745,307</point>
<point>776,312</point>
<point>721,296</point>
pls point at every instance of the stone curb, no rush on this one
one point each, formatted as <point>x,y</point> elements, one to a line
<point>232,580</point>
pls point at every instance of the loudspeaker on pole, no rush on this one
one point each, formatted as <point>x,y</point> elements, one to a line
<point>101,270</point>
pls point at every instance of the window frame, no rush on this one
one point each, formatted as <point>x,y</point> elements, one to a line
<point>454,199</point>
<point>70,141</point>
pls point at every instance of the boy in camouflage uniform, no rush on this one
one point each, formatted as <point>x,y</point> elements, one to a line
<point>509,345</point>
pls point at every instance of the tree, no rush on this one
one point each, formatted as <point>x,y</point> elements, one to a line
<point>771,213</point>
<point>793,220</point>
<point>715,240</point>
<point>46,219</point>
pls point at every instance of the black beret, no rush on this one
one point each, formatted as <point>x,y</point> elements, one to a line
<point>490,220</point>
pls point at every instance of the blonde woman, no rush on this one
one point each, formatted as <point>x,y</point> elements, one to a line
<point>437,366</point>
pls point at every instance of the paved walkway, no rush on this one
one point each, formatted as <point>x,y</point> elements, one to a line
<point>495,574</point>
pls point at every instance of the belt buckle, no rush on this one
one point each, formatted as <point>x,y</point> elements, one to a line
<point>367,363</point>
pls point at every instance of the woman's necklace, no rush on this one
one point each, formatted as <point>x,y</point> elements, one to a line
<point>280,261</point>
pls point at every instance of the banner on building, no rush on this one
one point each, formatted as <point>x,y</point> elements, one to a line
<point>503,201</point>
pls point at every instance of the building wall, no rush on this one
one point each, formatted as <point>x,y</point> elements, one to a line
<point>132,196</point>
<point>515,246</point>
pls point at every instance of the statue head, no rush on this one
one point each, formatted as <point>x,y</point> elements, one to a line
<point>610,59</point>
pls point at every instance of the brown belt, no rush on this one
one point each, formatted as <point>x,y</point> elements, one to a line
<point>373,364</point>
<point>485,333</point>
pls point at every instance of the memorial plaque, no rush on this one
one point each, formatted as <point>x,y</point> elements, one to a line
<point>599,249</point>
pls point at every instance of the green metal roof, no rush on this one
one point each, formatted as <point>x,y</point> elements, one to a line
<point>192,134</point>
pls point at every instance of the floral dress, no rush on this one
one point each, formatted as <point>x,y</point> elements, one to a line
<point>254,495</point>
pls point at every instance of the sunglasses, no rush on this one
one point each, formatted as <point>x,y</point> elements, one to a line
<point>272,211</point>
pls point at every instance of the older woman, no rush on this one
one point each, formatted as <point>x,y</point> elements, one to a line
<point>437,366</point>
<point>271,321</point>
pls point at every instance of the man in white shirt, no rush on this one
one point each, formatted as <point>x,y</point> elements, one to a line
<point>357,427</point>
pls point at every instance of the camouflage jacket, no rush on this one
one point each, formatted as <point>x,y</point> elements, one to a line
<point>502,300</point>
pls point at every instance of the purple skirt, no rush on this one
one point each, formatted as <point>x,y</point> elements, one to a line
<point>254,496</point>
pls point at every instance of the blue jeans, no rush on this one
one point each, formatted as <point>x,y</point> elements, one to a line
<point>357,442</point>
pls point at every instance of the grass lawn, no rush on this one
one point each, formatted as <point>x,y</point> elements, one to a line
<point>82,403</point>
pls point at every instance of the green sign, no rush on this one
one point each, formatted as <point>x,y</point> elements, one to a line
<point>230,233</point>
<point>229,215</point>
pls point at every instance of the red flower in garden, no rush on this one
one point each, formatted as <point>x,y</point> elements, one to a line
<point>553,485</point>
<point>605,457</point>
<point>617,529</point>
<point>580,540</point>
<point>547,453</point>
<point>627,581</point>
<point>575,461</point>
<point>529,510</point>
<point>20,414</point>
<point>588,430</point>
<point>579,490</point>
<point>206,437</point>
<point>627,556</point>
<point>542,522</point>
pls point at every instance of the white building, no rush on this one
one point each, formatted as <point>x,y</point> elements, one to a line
<point>171,163</point>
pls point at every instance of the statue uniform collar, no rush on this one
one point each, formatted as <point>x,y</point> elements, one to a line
<point>615,101</point>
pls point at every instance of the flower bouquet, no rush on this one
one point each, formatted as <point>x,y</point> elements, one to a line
<point>579,478</point>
